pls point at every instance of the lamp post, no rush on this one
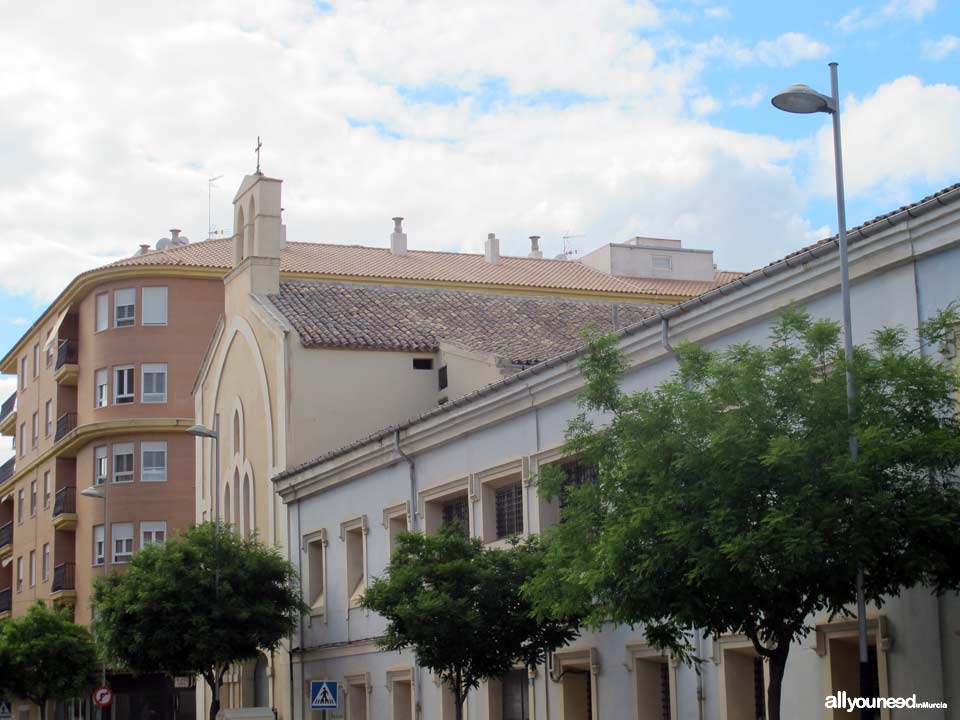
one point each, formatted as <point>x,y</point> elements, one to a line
<point>804,100</point>
<point>202,431</point>
<point>94,492</point>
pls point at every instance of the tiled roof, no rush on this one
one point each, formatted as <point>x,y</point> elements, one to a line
<point>522,329</point>
<point>682,288</point>
<point>359,261</point>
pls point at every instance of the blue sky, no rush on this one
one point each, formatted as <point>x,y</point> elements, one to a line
<point>600,119</point>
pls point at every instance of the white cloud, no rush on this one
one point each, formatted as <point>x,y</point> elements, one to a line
<point>905,131</point>
<point>717,12</point>
<point>940,49</point>
<point>705,104</point>
<point>860,19</point>
<point>750,101</point>
<point>19,321</point>
<point>783,51</point>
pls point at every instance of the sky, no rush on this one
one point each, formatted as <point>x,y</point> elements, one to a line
<point>594,119</point>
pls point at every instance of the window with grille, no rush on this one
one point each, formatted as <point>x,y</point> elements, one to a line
<point>509,509</point>
<point>515,696</point>
<point>576,474</point>
<point>455,511</point>
<point>665,692</point>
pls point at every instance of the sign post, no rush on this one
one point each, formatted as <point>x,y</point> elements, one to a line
<point>324,695</point>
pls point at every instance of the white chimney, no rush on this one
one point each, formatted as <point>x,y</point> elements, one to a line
<point>144,249</point>
<point>535,247</point>
<point>398,238</point>
<point>491,249</point>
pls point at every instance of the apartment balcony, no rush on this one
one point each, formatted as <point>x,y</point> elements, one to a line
<point>8,415</point>
<point>6,598</point>
<point>6,540</point>
<point>66,370</point>
<point>65,509</point>
<point>64,581</point>
<point>6,470</point>
<point>65,424</point>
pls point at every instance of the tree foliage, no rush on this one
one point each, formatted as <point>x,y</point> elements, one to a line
<point>197,604</point>
<point>45,656</point>
<point>459,606</point>
<point>727,500</point>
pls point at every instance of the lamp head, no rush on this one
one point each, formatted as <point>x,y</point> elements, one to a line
<point>93,492</point>
<point>802,99</point>
<point>201,431</point>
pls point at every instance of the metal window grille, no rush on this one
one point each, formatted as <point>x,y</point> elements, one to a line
<point>664,692</point>
<point>455,511</point>
<point>576,475</point>
<point>509,502</point>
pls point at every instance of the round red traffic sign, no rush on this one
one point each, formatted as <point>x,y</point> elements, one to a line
<point>103,696</point>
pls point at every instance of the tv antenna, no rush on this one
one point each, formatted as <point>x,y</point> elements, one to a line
<point>568,250</point>
<point>211,231</point>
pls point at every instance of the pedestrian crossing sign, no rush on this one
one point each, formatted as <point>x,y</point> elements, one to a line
<point>6,710</point>
<point>324,695</point>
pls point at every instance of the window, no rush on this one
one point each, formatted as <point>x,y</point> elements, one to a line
<point>153,461</point>
<point>33,498</point>
<point>514,695</point>
<point>154,306</point>
<point>154,382</point>
<point>23,439</point>
<point>46,562</point>
<point>124,307</point>
<point>49,352</point>
<point>35,428</point>
<point>395,521</point>
<point>662,262</point>
<point>103,311</point>
<point>123,384</point>
<point>48,417</point>
<point>36,360</point>
<point>742,676</point>
<point>33,568</point>
<point>423,363</point>
<point>653,679</point>
<point>455,511</point>
<point>20,506</point>
<point>123,462</point>
<point>442,380</point>
<point>316,568</point>
<point>101,392</point>
<point>98,544</point>
<point>400,686</point>
<point>509,502</point>
<point>100,470</point>
<point>47,490</point>
<point>353,535</point>
<point>23,373</point>
<point>122,535</point>
<point>152,532</point>
<point>358,687</point>
<point>20,574</point>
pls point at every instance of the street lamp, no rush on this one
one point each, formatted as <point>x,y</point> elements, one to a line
<point>94,492</point>
<point>202,431</point>
<point>804,100</point>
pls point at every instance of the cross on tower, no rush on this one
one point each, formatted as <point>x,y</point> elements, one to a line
<point>257,151</point>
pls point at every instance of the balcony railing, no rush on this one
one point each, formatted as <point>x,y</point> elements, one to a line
<point>8,405</point>
<point>6,470</point>
<point>6,595</point>
<point>65,502</point>
<point>66,353</point>
<point>6,534</point>
<point>64,577</point>
<point>65,423</point>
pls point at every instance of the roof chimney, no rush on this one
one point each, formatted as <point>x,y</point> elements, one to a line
<point>144,249</point>
<point>398,238</point>
<point>491,249</point>
<point>535,247</point>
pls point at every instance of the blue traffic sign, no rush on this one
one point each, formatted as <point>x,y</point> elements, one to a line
<point>324,695</point>
<point>6,710</point>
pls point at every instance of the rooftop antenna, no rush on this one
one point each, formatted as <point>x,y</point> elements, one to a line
<point>211,232</point>
<point>568,249</point>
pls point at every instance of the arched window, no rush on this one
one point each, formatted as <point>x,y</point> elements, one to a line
<point>247,506</point>
<point>236,433</point>
<point>248,235</point>
<point>238,502</point>
<point>226,503</point>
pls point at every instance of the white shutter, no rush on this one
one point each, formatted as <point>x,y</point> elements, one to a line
<point>154,310</point>
<point>103,311</point>
<point>153,461</point>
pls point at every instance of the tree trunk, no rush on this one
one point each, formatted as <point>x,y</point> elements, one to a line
<point>215,697</point>
<point>43,710</point>
<point>778,663</point>
<point>458,696</point>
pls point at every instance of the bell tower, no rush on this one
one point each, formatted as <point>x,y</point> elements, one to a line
<point>258,229</point>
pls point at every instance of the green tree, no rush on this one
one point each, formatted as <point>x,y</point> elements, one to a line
<point>460,607</point>
<point>726,500</point>
<point>45,656</point>
<point>196,605</point>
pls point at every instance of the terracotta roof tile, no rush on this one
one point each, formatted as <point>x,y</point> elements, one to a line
<point>419,265</point>
<point>524,330</point>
